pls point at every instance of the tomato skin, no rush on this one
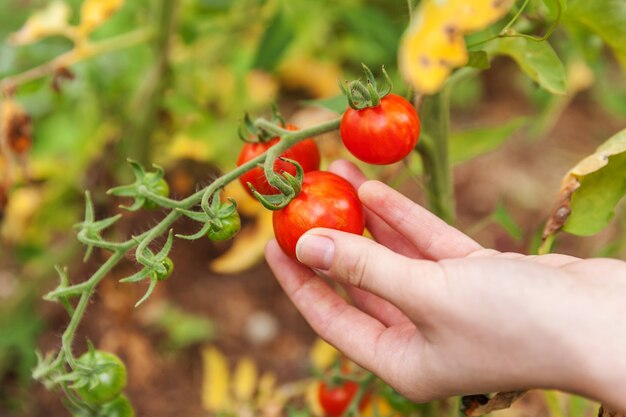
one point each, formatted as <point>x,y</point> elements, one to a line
<point>383,134</point>
<point>335,400</point>
<point>119,407</point>
<point>326,200</point>
<point>306,153</point>
<point>112,377</point>
<point>169,268</point>
<point>161,187</point>
<point>230,226</point>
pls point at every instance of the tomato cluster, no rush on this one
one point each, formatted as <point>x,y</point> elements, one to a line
<point>381,133</point>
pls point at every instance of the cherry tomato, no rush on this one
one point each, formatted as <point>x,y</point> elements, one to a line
<point>230,226</point>
<point>336,400</point>
<point>305,153</point>
<point>383,134</point>
<point>160,187</point>
<point>119,407</point>
<point>111,374</point>
<point>169,268</point>
<point>326,200</point>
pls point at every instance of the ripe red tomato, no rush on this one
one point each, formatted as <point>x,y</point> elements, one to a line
<point>326,200</point>
<point>305,153</point>
<point>335,400</point>
<point>383,134</point>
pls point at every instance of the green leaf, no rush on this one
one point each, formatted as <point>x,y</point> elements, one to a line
<point>593,203</point>
<point>471,143</point>
<point>478,59</point>
<point>555,7</point>
<point>502,217</point>
<point>274,42</point>
<point>538,60</point>
<point>607,18</point>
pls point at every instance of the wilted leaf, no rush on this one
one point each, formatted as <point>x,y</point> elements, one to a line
<point>53,20</point>
<point>608,412</point>
<point>591,190</point>
<point>216,381</point>
<point>433,45</point>
<point>473,405</point>
<point>15,126</point>
<point>322,355</point>
<point>94,13</point>
<point>538,60</point>
<point>245,380</point>
<point>604,17</point>
<point>22,206</point>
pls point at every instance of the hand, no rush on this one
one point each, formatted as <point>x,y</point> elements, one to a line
<point>434,314</point>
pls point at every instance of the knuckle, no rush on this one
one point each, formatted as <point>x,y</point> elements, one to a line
<point>355,270</point>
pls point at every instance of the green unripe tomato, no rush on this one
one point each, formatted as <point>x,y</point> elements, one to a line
<point>161,187</point>
<point>230,226</point>
<point>169,268</point>
<point>111,377</point>
<point>118,407</point>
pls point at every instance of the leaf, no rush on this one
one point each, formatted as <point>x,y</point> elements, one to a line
<point>478,59</point>
<point>473,405</point>
<point>94,13</point>
<point>51,21</point>
<point>538,60</point>
<point>591,190</point>
<point>502,217</point>
<point>274,42</point>
<point>433,45</point>
<point>471,143</point>
<point>555,7</point>
<point>606,18</point>
<point>245,380</point>
<point>216,381</point>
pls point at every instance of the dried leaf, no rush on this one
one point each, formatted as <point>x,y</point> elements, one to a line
<point>19,212</point>
<point>15,127</point>
<point>477,405</point>
<point>433,45</point>
<point>245,380</point>
<point>607,412</point>
<point>216,381</point>
<point>53,20</point>
<point>94,13</point>
<point>266,389</point>
<point>322,355</point>
<point>590,190</point>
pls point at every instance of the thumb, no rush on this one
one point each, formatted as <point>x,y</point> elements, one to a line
<point>363,263</point>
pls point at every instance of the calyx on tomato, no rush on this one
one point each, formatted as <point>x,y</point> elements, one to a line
<point>289,185</point>
<point>361,95</point>
<point>148,186</point>
<point>220,220</point>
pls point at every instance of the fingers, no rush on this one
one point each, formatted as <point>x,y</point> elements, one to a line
<point>361,337</point>
<point>362,263</point>
<point>431,236</point>
<point>380,309</point>
<point>381,231</point>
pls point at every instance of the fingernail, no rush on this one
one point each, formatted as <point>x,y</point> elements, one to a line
<point>315,251</point>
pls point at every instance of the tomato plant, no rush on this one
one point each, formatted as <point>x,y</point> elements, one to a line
<point>335,400</point>
<point>326,200</point>
<point>306,153</point>
<point>169,268</point>
<point>382,134</point>
<point>109,373</point>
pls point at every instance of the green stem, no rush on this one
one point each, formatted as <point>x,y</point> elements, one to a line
<point>433,149</point>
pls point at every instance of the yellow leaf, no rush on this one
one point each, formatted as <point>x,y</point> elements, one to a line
<point>379,407</point>
<point>185,147</point>
<point>267,387</point>
<point>53,20</point>
<point>216,380</point>
<point>319,78</point>
<point>245,380</point>
<point>248,246</point>
<point>312,399</point>
<point>322,355</point>
<point>19,212</point>
<point>433,45</point>
<point>94,13</point>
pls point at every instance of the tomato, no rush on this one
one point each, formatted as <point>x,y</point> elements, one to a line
<point>119,407</point>
<point>306,153</point>
<point>336,400</point>
<point>230,226</point>
<point>160,187</point>
<point>169,268</point>
<point>110,372</point>
<point>326,200</point>
<point>383,134</point>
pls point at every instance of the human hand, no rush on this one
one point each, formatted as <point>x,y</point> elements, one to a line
<point>434,314</point>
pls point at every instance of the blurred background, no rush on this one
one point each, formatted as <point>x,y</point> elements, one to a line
<point>169,85</point>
